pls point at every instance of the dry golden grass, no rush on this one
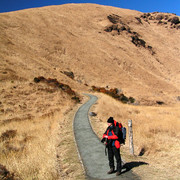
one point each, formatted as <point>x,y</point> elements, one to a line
<point>47,41</point>
<point>31,123</point>
<point>31,154</point>
<point>42,148</point>
<point>156,129</point>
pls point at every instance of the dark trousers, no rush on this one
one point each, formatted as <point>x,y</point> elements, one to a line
<point>113,151</point>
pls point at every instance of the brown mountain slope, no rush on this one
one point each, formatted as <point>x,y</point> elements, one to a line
<point>72,37</point>
<point>97,45</point>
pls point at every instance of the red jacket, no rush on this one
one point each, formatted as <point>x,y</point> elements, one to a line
<point>114,135</point>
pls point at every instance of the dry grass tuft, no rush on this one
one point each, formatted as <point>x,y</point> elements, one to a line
<point>29,126</point>
<point>9,134</point>
<point>31,150</point>
<point>31,154</point>
<point>5,174</point>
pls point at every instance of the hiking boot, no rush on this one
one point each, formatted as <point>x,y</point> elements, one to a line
<point>118,173</point>
<point>110,171</point>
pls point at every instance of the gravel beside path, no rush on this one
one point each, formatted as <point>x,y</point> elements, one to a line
<point>91,150</point>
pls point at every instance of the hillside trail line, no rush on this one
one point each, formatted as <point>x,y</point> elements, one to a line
<point>91,150</point>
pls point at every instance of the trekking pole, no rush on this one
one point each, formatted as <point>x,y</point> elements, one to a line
<point>106,146</point>
<point>105,151</point>
<point>131,146</point>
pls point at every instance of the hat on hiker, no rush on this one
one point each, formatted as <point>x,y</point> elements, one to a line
<point>110,120</point>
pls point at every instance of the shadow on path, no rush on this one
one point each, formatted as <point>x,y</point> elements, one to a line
<point>130,165</point>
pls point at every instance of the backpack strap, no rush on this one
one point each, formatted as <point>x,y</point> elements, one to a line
<point>114,136</point>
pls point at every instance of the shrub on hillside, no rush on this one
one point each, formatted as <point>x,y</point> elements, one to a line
<point>9,134</point>
<point>137,41</point>
<point>131,99</point>
<point>55,83</point>
<point>115,94</point>
<point>76,98</point>
<point>160,102</point>
<point>5,174</point>
<point>175,20</point>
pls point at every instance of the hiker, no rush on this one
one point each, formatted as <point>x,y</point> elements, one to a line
<point>113,145</point>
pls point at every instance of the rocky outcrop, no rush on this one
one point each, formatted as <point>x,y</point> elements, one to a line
<point>68,73</point>
<point>119,26</point>
<point>114,18</point>
<point>166,19</point>
<point>138,42</point>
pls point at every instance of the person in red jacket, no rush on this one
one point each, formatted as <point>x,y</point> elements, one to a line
<point>113,146</point>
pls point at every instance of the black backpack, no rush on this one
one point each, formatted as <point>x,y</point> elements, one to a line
<point>121,133</point>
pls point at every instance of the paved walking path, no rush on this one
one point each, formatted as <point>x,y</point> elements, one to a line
<point>91,150</point>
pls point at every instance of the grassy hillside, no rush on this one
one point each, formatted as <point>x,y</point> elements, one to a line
<point>77,46</point>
